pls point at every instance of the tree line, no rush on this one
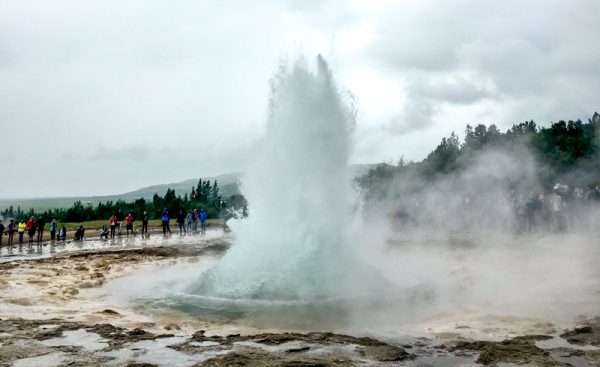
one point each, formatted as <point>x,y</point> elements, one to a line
<point>566,152</point>
<point>203,195</point>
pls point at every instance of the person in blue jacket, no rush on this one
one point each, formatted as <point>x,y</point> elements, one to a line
<point>203,216</point>
<point>165,221</point>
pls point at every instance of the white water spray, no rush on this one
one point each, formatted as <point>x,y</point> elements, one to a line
<point>296,243</point>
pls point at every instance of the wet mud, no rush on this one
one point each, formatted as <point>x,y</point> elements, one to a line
<point>56,342</point>
<point>52,315</point>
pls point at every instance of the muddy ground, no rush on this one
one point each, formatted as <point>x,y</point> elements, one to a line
<point>56,342</point>
<point>52,314</point>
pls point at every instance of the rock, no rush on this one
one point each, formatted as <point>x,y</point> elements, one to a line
<point>253,358</point>
<point>385,353</point>
<point>520,350</point>
<point>587,334</point>
<point>172,326</point>
<point>109,312</point>
<point>297,350</point>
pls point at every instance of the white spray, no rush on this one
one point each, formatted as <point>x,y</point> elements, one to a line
<point>295,245</point>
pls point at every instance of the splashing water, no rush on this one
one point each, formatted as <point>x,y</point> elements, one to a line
<point>291,246</point>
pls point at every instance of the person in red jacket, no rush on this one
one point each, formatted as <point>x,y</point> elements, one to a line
<point>31,228</point>
<point>129,224</point>
<point>113,225</point>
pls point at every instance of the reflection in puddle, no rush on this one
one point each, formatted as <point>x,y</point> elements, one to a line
<point>49,249</point>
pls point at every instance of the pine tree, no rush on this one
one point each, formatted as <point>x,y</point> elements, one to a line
<point>199,196</point>
<point>214,194</point>
<point>206,189</point>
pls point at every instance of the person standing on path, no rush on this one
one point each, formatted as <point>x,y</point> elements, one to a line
<point>203,217</point>
<point>53,226</point>
<point>181,222</point>
<point>11,231</point>
<point>31,228</point>
<point>129,224</point>
<point>189,222</point>
<point>1,231</point>
<point>120,218</point>
<point>112,221</point>
<point>21,229</point>
<point>41,223</point>
<point>165,222</point>
<point>195,218</point>
<point>145,220</point>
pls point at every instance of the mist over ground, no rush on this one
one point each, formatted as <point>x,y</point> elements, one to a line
<point>490,230</point>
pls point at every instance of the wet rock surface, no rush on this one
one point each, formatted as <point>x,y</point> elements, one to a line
<point>520,350</point>
<point>36,340</point>
<point>586,334</point>
<point>264,359</point>
<point>25,339</point>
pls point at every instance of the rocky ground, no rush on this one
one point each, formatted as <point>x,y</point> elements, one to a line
<point>52,314</point>
<point>56,342</point>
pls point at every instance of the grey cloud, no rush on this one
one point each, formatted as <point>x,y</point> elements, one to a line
<point>102,86</point>
<point>427,92</point>
<point>540,59</point>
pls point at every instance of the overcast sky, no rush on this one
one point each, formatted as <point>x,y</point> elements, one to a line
<point>103,97</point>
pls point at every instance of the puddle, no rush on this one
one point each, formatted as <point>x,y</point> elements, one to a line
<point>205,344</point>
<point>49,249</point>
<point>46,360</point>
<point>156,352</point>
<point>90,342</point>
<point>558,342</point>
<point>273,348</point>
<point>448,361</point>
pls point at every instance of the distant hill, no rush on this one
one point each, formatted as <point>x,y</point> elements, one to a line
<point>228,185</point>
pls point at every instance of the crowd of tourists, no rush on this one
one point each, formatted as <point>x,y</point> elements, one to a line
<point>192,222</point>
<point>562,209</point>
<point>556,210</point>
<point>33,227</point>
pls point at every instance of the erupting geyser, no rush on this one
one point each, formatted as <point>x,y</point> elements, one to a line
<point>296,244</point>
